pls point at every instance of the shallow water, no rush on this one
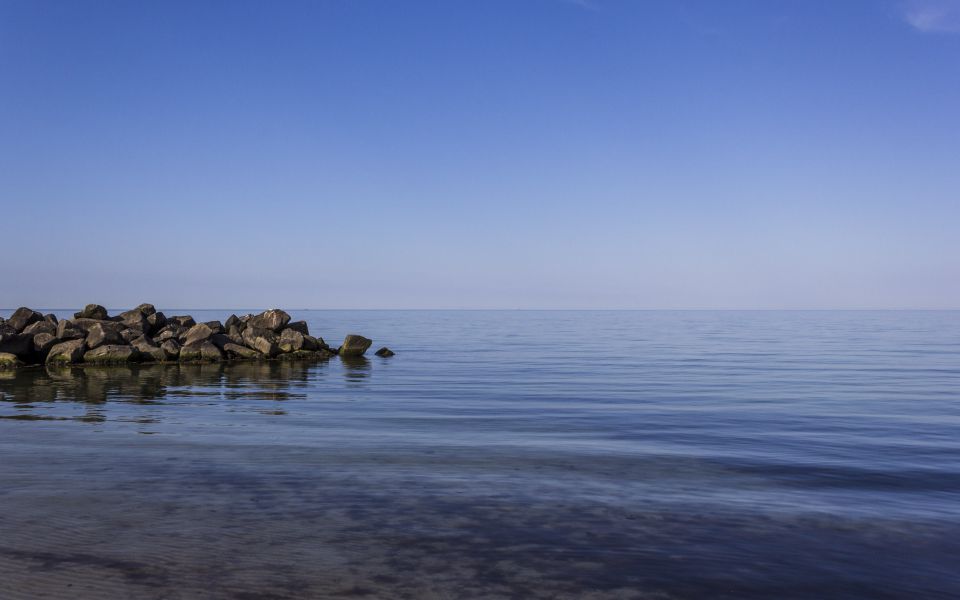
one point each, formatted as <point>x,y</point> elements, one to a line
<point>502,455</point>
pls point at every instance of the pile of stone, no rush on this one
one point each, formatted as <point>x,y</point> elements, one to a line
<point>145,335</point>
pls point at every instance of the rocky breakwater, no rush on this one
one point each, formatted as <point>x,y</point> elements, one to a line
<point>143,334</point>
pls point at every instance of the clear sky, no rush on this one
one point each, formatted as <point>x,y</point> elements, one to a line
<point>481,154</point>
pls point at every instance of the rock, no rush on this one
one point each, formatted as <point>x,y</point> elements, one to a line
<point>220,340</point>
<point>183,321</point>
<point>209,351</point>
<point>170,332</point>
<point>41,327</point>
<point>235,333</point>
<point>92,311</point>
<point>191,352</point>
<point>42,343</point>
<point>20,344</point>
<point>313,344</point>
<point>66,330</point>
<point>354,345</point>
<point>9,361</point>
<point>146,309</point>
<point>51,318</point>
<point>99,335</point>
<point>67,352</point>
<point>128,335</point>
<point>290,341</point>
<point>148,349</point>
<point>111,354</point>
<point>85,324</point>
<point>307,355</point>
<point>238,351</point>
<point>215,326</point>
<point>231,321</point>
<point>198,333</point>
<point>384,352</point>
<point>274,320</point>
<point>171,348</point>
<point>261,340</point>
<point>134,319</point>
<point>156,321</point>
<point>22,317</point>
<point>300,326</point>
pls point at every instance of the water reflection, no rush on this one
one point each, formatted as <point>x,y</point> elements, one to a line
<point>40,394</point>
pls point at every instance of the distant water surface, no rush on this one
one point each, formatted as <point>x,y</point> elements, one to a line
<point>514,454</point>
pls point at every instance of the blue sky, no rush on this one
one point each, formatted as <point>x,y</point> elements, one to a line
<point>485,154</point>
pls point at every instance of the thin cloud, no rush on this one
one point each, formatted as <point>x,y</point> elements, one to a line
<point>585,4</point>
<point>933,16</point>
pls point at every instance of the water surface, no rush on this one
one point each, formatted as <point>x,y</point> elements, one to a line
<point>502,455</point>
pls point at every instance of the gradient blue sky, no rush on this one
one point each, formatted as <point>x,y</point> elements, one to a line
<point>485,154</point>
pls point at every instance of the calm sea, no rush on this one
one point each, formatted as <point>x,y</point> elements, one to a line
<point>502,455</point>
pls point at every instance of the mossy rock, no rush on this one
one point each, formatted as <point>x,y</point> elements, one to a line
<point>9,361</point>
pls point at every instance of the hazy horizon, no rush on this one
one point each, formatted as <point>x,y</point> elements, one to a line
<point>545,154</point>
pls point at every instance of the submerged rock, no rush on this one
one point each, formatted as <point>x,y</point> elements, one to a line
<point>384,352</point>
<point>355,345</point>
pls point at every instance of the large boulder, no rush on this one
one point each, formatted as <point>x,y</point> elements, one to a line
<point>156,321</point>
<point>111,354</point>
<point>290,341</point>
<point>51,318</point>
<point>171,348</point>
<point>261,340</point>
<point>40,327</point>
<point>86,324</point>
<point>146,309</point>
<point>42,343</point>
<point>9,361</point>
<point>22,317</point>
<point>148,349</point>
<point>92,311</point>
<point>355,345</point>
<point>209,351</point>
<point>215,326</point>
<point>67,330</point>
<point>312,343</point>
<point>70,351</point>
<point>300,326</point>
<point>237,351</point>
<point>171,332</point>
<point>128,335</point>
<point>274,320</point>
<point>232,321</point>
<point>20,344</point>
<point>191,352</point>
<point>182,320</point>
<point>198,333</point>
<point>134,319</point>
<point>101,335</point>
